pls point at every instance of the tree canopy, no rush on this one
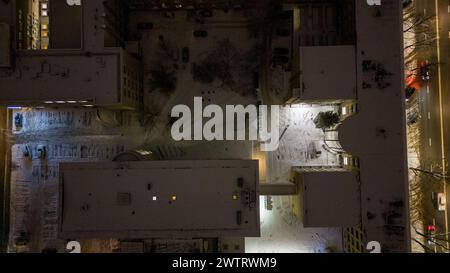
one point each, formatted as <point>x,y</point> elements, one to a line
<point>326,120</point>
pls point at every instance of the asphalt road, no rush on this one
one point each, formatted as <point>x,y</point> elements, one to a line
<point>434,99</point>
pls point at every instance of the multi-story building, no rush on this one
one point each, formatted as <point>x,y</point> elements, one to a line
<point>61,52</point>
<point>185,201</point>
<point>367,194</point>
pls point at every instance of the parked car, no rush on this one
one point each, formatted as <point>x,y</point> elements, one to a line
<point>18,121</point>
<point>425,70</point>
<point>280,51</point>
<point>412,117</point>
<point>200,33</point>
<point>439,201</point>
<point>409,91</point>
<point>185,54</point>
<point>26,152</point>
<point>41,152</point>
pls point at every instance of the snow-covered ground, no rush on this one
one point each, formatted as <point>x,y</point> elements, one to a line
<point>76,134</point>
<point>177,33</point>
<point>68,135</point>
<point>79,135</point>
<point>282,232</point>
<point>301,143</point>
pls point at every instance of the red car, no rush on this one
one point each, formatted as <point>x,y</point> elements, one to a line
<point>431,233</point>
<point>424,70</point>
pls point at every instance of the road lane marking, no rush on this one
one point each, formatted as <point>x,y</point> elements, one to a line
<point>429,141</point>
<point>428,89</point>
<point>436,3</point>
<point>429,115</point>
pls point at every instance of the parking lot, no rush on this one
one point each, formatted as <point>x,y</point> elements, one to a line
<point>45,138</point>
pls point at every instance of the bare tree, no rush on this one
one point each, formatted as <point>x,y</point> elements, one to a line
<point>417,23</point>
<point>227,64</point>
<point>433,174</point>
<point>162,75</point>
<point>421,207</point>
<point>418,31</point>
<point>415,70</point>
<point>435,239</point>
<point>163,79</point>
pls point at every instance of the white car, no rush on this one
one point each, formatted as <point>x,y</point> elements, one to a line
<point>441,201</point>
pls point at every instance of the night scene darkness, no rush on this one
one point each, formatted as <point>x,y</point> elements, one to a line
<point>242,129</point>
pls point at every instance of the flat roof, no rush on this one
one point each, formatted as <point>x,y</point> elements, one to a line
<point>327,73</point>
<point>330,199</point>
<point>159,199</point>
<point>377,134</point>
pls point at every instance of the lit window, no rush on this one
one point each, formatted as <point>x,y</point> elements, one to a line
<point>44,13</point>
<point>154,198</point>
<point>44,34</point>
<point>44,5</point>
<point>345,160</point>
<point>174,198</point>
<point>44,26</point>
<point>344,110</point>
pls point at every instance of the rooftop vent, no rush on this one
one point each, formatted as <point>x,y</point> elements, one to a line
<point>123,198</point>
